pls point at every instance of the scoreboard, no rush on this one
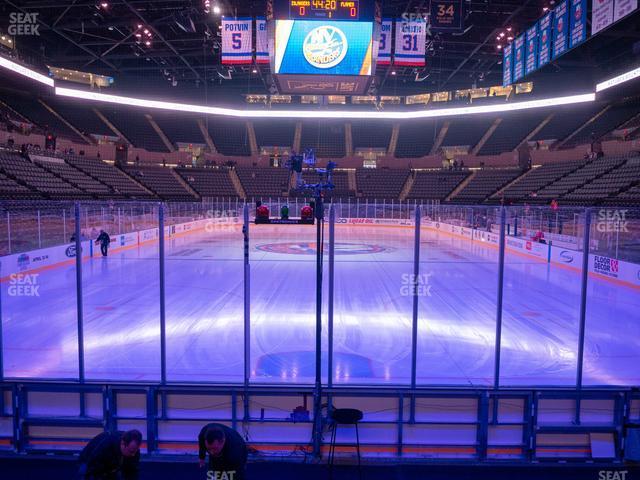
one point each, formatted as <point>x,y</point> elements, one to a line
<point>323,47</point>
<point>324,9</point>
<point>346,10</point>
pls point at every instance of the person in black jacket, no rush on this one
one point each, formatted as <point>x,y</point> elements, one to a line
<point>227,452</point>
<point>111,456</point>
<point>104,241</point>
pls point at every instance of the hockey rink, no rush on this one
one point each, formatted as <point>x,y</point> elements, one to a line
<point>372,314</point>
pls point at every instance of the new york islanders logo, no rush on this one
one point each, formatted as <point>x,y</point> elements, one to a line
<point>325,46</point>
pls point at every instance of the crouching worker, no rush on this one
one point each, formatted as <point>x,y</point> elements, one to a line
<point>111,456</point>
<point>227,452</point>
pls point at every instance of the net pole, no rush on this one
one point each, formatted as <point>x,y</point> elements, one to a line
<point>583,310</point>
<point>498,338</point>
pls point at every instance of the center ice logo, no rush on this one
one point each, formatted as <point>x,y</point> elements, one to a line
<point>325,46</point>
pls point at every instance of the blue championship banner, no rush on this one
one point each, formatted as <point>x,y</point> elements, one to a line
<point>384,45</point>
<point>518,61</point>
<point>411,37</point>
<point>544,39</point>
<point>262,45</point>
<point>561,29</point>
<point>532,49</point>
<point>507,65</point>
<point>237,34</point>
<point>578,22</point>
<point>311,47</point>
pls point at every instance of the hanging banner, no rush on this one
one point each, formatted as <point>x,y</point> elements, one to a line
<point>560,29</point>
<point>262,46</point>
<point>544,39</point>
<point>601,15</point>
<point>507,65</point>
<point>411,36</point>
<point>532,49</point>
<point>623,8</point>
<point>446,15</point>
<point>518,61</point>
<point>578,22</point>
<point>236,41</point>
<point>384,45</point>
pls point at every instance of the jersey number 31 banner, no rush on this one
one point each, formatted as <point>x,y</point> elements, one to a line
<point>411,37</point>
<point>236,40</point>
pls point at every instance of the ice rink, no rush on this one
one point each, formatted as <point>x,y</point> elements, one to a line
<point>372,314</point>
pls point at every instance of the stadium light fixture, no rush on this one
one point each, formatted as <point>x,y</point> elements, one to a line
<point>27,72</point>
<point>620,79</point>
<point>347,114</point>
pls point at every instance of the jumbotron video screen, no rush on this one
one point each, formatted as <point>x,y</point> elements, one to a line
<point>323,47</point>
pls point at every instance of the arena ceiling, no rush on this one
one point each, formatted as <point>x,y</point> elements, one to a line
<point>99,36</point>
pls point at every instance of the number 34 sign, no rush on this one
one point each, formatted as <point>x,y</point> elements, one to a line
<point>446,15</point>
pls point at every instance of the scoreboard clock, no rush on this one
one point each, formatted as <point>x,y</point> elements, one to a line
<point>324,9</point>
<point>344,10</point>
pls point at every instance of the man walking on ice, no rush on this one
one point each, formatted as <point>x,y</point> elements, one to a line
<point>104,241</point>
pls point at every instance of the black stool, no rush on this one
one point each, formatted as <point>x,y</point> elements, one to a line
<point>344,416</point>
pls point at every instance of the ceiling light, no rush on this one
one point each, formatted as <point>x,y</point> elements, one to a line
<point>426,113</point>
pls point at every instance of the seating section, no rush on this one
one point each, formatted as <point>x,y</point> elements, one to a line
<point>179,128</point>
<point>133,124</point>
<point>264,182</point>
<point>467,131</point>
<point>229,136</point>
<point>380,184</point>
<point>37,178</point>
<point>614,117</point>
<point>566,120</point>
<point>12,190</point>
<point>209,182</point>
<point>608,185</point>
<point>81,117</point>
<point>121,184</point>
<point>75,177</point>
<point>631,124</point>
<point>574,180</point>
<point>485,183</point>
<point>416,138</point>
<point>35,112</point>
<point>511,131</point>
<point>435,185</point>
<point>630,196</point>
<point>163,182</point>
<point>371,134</point>
<point>525,187</point>
<point>274,134</point>
<point>325,137</point>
